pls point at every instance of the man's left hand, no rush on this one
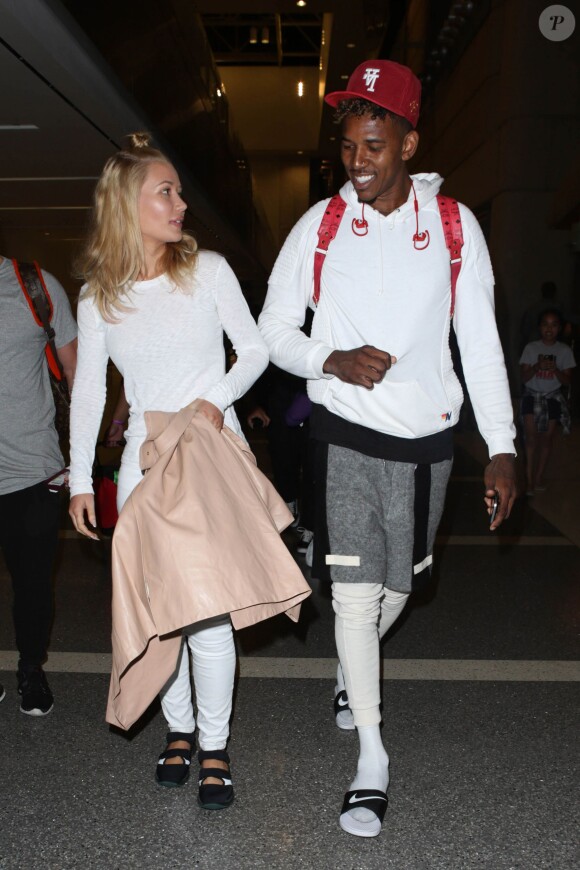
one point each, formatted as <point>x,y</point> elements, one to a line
<point>500,477</point>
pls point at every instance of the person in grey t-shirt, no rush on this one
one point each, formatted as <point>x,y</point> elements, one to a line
<point>29,455</point>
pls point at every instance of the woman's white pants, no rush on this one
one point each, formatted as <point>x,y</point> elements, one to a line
<point>213,658</point>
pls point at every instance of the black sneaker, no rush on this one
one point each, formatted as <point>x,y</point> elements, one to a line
<point>2,692</point>
<point>36,696</point>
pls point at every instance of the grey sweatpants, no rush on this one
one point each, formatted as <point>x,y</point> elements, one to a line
<point>382,518</point>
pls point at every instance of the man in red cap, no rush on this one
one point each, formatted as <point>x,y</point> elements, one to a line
<point>377,267</point>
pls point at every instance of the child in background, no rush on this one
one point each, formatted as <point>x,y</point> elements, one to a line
<point>546,366</point>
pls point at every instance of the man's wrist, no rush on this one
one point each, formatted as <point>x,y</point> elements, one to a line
<point>506,461</point>
<point>327,367</point>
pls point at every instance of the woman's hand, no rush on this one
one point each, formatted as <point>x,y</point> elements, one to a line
<point>79,506</point>
<point>212,414</point>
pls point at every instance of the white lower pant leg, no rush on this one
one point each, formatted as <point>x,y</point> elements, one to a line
<point>392,606</point>
<point>357,608</point>
<point>175,696</point>
<point>214,661</point>
<point>213,656</point>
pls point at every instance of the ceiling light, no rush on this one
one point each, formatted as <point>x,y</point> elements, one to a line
<point>219,93</point>
<point>265,35</point>
<point>345,77</point>
<point>351,45</point>
<point>17,127</point>
<point>300,89</point>
<point>301,2</point>
<point>253,35</point>
<point>300,152</point>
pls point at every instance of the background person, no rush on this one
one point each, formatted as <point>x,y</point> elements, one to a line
<point>546,366</point>
<point>274,404</point>
<point>29,454</point>
<point>549,300</point>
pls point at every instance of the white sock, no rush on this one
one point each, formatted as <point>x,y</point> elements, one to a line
<point>372,769</point>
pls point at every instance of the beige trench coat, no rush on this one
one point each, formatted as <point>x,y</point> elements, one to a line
<point>198,537</point>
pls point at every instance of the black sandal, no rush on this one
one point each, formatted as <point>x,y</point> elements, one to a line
<point>368,799</point>
<point>212,796</point>
<point>173,775</point>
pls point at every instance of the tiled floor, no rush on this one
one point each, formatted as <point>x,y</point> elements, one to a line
<point>480,719</point>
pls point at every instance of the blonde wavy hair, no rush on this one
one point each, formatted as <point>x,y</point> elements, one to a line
<point>113,257</point>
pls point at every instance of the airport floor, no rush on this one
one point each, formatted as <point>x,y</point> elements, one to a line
<point>480,711</point>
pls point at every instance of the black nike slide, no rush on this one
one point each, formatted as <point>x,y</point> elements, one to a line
<point>368,799</point>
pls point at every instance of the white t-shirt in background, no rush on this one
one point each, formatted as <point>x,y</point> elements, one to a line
<point>546,381</point>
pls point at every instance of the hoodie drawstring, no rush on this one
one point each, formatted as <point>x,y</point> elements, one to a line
<point>420,240</point>
<point>360,226</point>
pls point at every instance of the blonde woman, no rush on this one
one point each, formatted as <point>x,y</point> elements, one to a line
<point>158,308</point>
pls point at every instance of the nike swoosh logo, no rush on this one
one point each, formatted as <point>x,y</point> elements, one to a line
<point>342,702</point>
<point>357,800</point>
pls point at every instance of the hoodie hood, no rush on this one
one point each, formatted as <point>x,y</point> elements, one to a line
<point>426,184</point>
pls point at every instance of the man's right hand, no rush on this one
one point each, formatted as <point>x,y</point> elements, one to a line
<point>363,366</point>
<point>114,435</point>
<point>79,505</point>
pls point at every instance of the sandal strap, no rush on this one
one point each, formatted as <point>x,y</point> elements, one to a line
<point>185,754</point>
<point>341,707</point>
<point>217,773</point>
<point>368,798</point>
<point>218,754</point>
<point>172,736</point>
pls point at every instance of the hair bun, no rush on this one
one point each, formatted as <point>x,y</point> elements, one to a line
<point>139,140</point>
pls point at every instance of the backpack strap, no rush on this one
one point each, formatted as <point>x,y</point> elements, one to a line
<point>451,222</point>
<point>32,284</point>
<point>326,233</point>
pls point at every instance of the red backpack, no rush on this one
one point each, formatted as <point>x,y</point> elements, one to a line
<point>450,219</point>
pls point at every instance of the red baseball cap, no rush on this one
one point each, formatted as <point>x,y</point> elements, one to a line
<point>386,83</point>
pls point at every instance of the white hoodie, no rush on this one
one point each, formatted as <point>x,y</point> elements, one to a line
<point>378,290</point>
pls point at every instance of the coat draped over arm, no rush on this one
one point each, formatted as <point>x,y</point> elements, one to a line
<point>197,538</point>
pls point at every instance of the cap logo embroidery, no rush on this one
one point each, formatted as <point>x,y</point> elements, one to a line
<point>370,76</point>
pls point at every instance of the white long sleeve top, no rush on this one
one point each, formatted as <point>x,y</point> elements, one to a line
<point>377,289</point>
<point>169,348</point>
